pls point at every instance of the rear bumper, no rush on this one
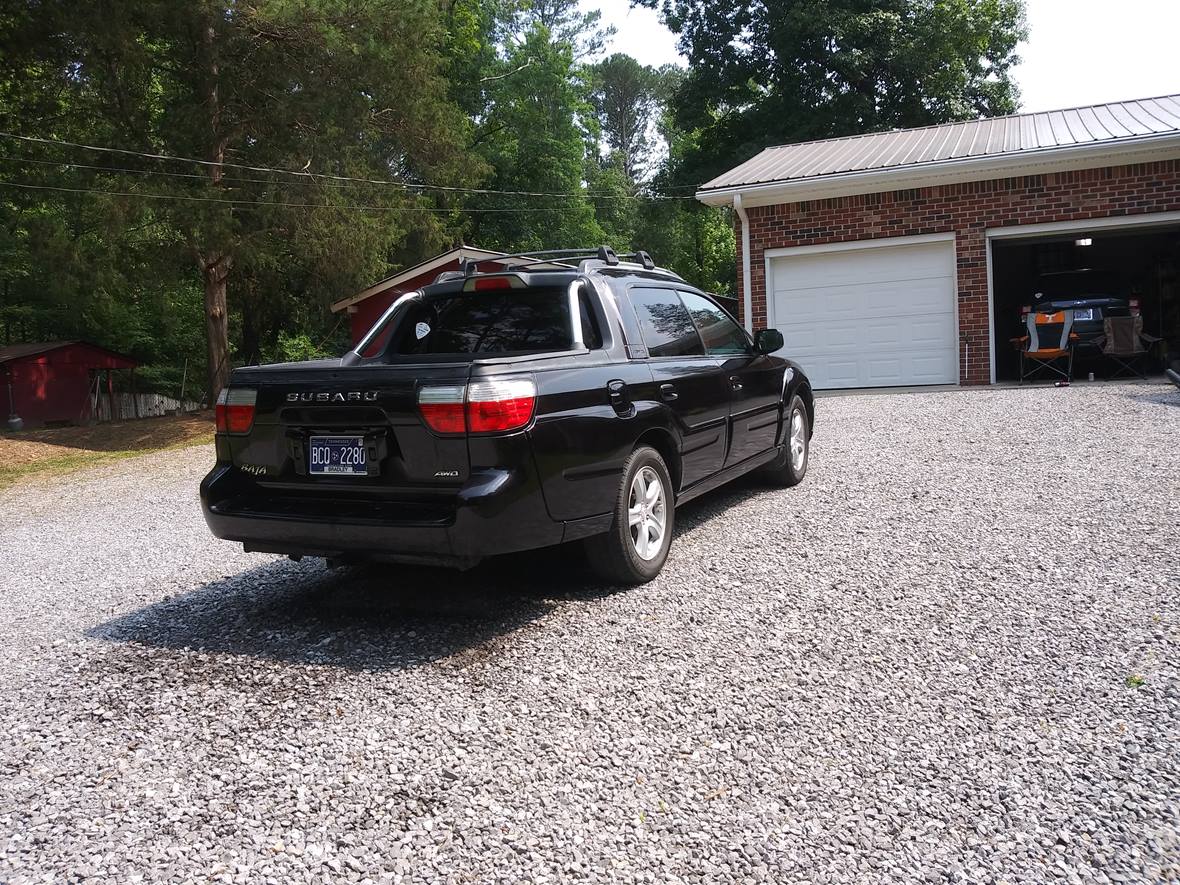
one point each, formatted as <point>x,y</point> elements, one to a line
<point>496,511</point>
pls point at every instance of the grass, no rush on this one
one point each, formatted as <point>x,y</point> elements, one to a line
<point>39,454</point>
<point>1135,680</point>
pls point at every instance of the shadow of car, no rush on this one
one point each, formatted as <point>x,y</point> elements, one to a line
<point>380,617</point>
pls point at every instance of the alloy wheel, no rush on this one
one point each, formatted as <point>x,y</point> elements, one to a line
<point>647,513</point>
<point>798,440</point>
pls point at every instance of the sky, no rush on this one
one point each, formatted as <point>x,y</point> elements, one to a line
<point>1078,51</point>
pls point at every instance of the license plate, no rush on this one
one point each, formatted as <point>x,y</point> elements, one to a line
<point>1087,314</point>
<point>337,456</point>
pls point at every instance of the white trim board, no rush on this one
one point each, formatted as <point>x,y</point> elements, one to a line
<point>857,245</point>
<point>1106,222</point>
<point>991,310</point>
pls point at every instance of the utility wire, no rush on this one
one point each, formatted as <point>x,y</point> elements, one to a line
<point>275,204</point>
<point>122,170</point>
<point>321,175</point>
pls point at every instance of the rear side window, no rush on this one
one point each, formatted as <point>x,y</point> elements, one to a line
<point>507,321</point>
<point>591,334</point>
<point>665,323</point>
<point>722,336</point>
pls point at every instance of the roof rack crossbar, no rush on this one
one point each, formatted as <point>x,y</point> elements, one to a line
<point>642,257</point>
<point>564,263</point>
<point>603,253</point>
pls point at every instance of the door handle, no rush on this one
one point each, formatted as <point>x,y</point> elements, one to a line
<point>616,392</point>
<point>668,392</point>
<point>735,382</point>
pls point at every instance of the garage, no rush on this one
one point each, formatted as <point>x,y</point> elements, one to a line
<point>903,258</point>
<point>1137,265</point>
<point>868,315</point>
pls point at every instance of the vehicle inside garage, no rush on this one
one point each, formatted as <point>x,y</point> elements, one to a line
<point>1117,271</point>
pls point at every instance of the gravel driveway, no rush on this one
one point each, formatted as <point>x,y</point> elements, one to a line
<point>951,655</point>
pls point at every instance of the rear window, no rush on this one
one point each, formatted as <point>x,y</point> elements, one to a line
<point>508,321</point>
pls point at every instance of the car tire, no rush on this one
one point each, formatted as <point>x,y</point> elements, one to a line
<point>634,548</point>
<point>789,468</point>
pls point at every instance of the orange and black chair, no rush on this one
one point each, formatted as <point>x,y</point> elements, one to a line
<point>1048,345</point>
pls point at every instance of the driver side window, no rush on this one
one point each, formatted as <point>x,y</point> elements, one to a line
<point>722,336</point>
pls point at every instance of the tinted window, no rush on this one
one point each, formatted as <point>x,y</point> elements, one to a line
<point>665,324</point>
<point>719,332</point>
<point>509,321</point>
<point>591,334</point>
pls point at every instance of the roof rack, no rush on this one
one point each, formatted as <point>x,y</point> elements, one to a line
<point>604,253</point>
<point>642,257</point>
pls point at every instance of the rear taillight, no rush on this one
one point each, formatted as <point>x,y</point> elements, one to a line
<point>235,409</point>
<point>442,408</point>
<point>497,405</point>
<point>500,405</point>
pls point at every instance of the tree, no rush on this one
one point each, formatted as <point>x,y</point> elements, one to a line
<point>326,86</point>
<point>566,23</point>
<point>772,71</point>
<point>616,206</point>
<point>694,239</point>
<point>534,136</point>
<point>626,98</point>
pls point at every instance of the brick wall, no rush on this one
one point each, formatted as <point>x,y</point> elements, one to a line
<point>967,209</point>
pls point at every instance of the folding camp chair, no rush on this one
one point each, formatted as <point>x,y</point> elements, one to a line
<point>1048,344</point>
<point>1126,344</point>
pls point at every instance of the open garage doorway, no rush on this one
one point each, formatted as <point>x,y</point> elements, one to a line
<point>1120,268</point>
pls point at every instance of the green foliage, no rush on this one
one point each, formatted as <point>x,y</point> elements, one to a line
<point>534,135</point>
<point>344,87</point>
<point>294,348</point>
<point>697,241</point>
<point>615,208</point>
<point>773,72</point>
<point>581,31</point>
<point>626,99</point>
<point>502,95</point>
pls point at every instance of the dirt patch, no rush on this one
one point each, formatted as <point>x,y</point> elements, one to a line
<point>60,449</point>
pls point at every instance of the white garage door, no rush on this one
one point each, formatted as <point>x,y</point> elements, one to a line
<point>880,316</point>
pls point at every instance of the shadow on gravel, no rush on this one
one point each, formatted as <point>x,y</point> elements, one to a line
<point>369,618</point>
<point>1160,394</point>
<point>379,617</point>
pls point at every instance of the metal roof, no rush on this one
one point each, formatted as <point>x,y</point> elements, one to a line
<point>417,270</point>
<point>24,351</point>
<point>17,351</point>
<point>1012,136</point>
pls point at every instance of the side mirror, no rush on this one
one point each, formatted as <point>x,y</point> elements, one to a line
<point>768,340</point>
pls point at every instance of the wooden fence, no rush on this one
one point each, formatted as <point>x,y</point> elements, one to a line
<point>139,405</point>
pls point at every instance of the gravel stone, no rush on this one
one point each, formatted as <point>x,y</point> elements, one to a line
<point>914,667</point>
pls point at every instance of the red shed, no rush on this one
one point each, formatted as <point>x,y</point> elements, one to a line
<point>55,381</point>
<point>366,307</point>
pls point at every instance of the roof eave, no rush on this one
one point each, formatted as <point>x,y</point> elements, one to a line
<point>413,271</point>
<point>1057,159</point>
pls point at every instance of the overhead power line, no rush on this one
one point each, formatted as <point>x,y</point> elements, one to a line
<point>199,176</point>
<point>274,203</point>
<point>325,175</point>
